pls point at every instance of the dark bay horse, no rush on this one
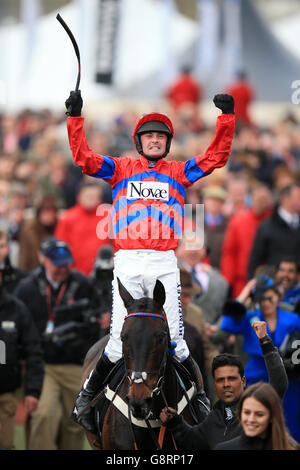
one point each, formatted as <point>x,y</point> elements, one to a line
<point>149,380</point>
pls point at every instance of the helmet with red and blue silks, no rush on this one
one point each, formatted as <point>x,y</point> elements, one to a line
<point>153,122</point>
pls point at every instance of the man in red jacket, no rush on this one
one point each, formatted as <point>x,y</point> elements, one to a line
<point>239,237</point>
<point>243,95</point>
<point>77,227</point>
<point>184,90</point>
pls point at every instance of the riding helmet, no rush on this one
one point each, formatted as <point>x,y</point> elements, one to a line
<point>153,122</point>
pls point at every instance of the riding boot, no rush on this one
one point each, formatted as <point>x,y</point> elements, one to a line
<point>200,399</point>
<point>93,384</point>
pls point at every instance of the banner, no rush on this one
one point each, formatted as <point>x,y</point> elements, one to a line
<point>169,66</point>
<point>106,35</point>
<point>208,43</point>
<point>30,13</point>
<point>232,45</point>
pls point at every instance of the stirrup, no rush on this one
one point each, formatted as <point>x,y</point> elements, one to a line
<point>85,418</point>
<point>82,412</point>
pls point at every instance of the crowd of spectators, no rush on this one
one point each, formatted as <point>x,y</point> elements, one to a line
<point>39,182</point>
<point>251,215</point>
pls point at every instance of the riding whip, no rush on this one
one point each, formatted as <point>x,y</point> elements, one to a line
<point>75,45</point>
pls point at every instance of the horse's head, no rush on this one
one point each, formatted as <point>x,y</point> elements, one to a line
<point>145,346</point>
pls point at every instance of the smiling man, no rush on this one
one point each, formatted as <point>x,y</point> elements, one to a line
<point>147,220</point>
<point>229,379</point>
<point>287,278</point>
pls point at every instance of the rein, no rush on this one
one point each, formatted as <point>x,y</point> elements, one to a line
<point>121,405</point>
<point>150,422</point>
<point>158,390</point>
<point>141,378</point>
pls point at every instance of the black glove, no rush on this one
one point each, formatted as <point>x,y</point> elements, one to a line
<point>74,103</point>
<point>225,103</point>
<point>233,308</point>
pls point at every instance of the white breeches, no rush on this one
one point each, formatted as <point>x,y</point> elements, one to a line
<point>138,271</point>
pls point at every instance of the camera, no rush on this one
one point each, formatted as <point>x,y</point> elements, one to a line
<point>102,277</point>
<point>263,283</point>
<point>71,319</point>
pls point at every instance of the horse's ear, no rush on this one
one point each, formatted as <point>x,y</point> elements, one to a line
<point>125,295</point>
<point>159,293</point>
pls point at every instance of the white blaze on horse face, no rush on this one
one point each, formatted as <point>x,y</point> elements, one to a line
<point>144,375</point>
<point>138,377</point>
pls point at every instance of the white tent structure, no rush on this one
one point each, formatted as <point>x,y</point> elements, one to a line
<point>39,70</point>
<point>38,65</point>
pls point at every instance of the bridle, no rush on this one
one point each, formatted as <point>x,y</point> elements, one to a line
<point>141,377</point>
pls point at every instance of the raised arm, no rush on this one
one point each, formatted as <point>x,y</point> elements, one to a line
<point>99,166</point>
<point>218,152</point>
<point>274,364</point>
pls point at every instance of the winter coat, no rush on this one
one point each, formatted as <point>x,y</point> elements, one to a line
<point>274,239</point>
<point>210,303</point>
<point>194,316</point>
<point>11,276</point>
<point>243,94</point>
<point>185,90</point>
<point>31,236</point>
<point>77,227</point>
<point>19,334</point>
<point>242,442</point>
<point>214,241</point>
<point>33,292</point>
<point>237,246</point>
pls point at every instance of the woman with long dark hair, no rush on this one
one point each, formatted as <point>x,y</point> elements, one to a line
<point>261,417</point>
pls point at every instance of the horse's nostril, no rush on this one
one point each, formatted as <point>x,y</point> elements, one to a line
<point>140,409</point>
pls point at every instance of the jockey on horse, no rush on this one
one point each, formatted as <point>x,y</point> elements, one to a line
<point>148,214</point>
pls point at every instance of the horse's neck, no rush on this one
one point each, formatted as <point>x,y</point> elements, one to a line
<point>171,387</point>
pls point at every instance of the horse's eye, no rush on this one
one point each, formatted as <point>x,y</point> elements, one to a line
<point>160,338</point>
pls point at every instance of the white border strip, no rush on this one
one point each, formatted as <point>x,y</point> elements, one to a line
<point>120,404</point>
